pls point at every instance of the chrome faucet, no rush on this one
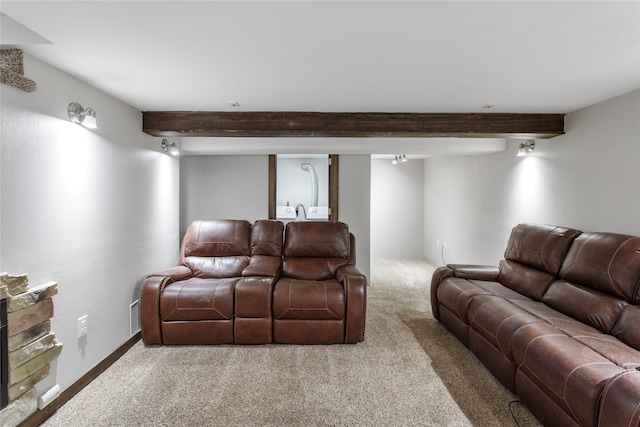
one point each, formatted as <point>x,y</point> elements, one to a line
<point>300,205</point>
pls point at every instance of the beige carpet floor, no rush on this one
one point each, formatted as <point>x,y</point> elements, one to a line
<point>409,371</point>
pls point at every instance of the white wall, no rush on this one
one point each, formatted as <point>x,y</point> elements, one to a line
<point>223,187</point>
<point>354,204</point>
<point>397,209</point>
<point>587,179</point>
<point>94,210</point>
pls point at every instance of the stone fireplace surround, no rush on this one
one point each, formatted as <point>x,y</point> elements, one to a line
<point>30,345</point>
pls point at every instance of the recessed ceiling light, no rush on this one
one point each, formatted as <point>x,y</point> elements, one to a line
<point>233,103</point>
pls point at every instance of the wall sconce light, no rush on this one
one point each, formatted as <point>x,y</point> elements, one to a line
<point>526,147</point>
<point>170,148</point>
<point>80,116</point>
<point>399,158</point>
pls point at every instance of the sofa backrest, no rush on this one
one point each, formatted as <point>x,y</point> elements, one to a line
<point>266,249</point>
<point>315,250</point>
<point>600,284</point>
<point>533,257</point>
<point>216,248</point>
<point>543,247</point>
<point>266,238</point>
<point>606,262</point>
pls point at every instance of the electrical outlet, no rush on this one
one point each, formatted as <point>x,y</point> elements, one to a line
<point>82,326</point>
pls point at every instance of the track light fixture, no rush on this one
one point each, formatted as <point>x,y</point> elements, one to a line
<point>81,116</point>
<point>399,158</point>
<point>170,148</point>
<point>526,147</point>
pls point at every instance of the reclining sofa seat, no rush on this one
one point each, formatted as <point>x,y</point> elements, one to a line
<point>556,322</point>
<point>225,291</point>
<point>320,298</point>
<point>221,291</point>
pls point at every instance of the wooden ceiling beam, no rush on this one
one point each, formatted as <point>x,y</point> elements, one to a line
<point>351,125</point>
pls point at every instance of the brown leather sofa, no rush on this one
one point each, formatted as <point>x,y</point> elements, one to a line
<point>242,283</point>
<point>557,322</point>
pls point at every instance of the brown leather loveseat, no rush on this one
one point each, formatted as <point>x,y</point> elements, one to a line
<point>246,283</point>
<point>557,322</point>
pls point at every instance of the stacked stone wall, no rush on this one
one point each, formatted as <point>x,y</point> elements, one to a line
<point>31,343</point>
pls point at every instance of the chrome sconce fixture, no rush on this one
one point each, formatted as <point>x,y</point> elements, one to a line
<point>399,158</point>
<point>170,148</point>
<point>81,116</point>
<point>526,147</point>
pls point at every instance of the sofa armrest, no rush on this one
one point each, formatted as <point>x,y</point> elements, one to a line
<point>439,275</point>
<point>619,399</point>
<point>355,286</point>
<point>475,272</point>
<point>176,274</point>
<point>348,270</point>
<point>150,301</point>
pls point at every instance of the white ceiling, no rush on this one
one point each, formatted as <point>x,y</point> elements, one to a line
<point>341,56</point>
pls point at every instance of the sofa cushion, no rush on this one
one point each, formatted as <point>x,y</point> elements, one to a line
<point>496,319</point>
<point>315,250</point>
<point>312,268</point>
<point>584,304</point>
<point>542,247</point>
<point>308,300</point>
<point>620,402</point>
<point>626,329</point>
<point>217,267</point>
<point>217,238</point>
<point>216,248</point>
<point>565,324</point>
<point>497,289</point>
<point>607,262</point>
<point>525,280</point>
<point>456,295</point>
<point>198,299</point>
<point>571,374</point>
<point>611,348</point>
<point>266,238</point>
<point>317,240</point>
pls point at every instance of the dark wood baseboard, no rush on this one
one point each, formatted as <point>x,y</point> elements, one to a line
<point>41,415</point>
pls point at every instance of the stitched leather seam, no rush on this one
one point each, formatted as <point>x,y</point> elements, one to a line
<point>524,363</point>
<point>325,308</point>
<point>526,350</point>
<point>533,374</point>
<point>197,309</point>
<point>635,413</point>
<point>482,328</point>
<point>605,339</point>
<point>470,321</point>
<point>347,298</point>
<point>544,262</point>
<point>613,283</point>
<point>500,326</point>
<point>564,391</point>
<point>605,392</point>
<point>570,263</point>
